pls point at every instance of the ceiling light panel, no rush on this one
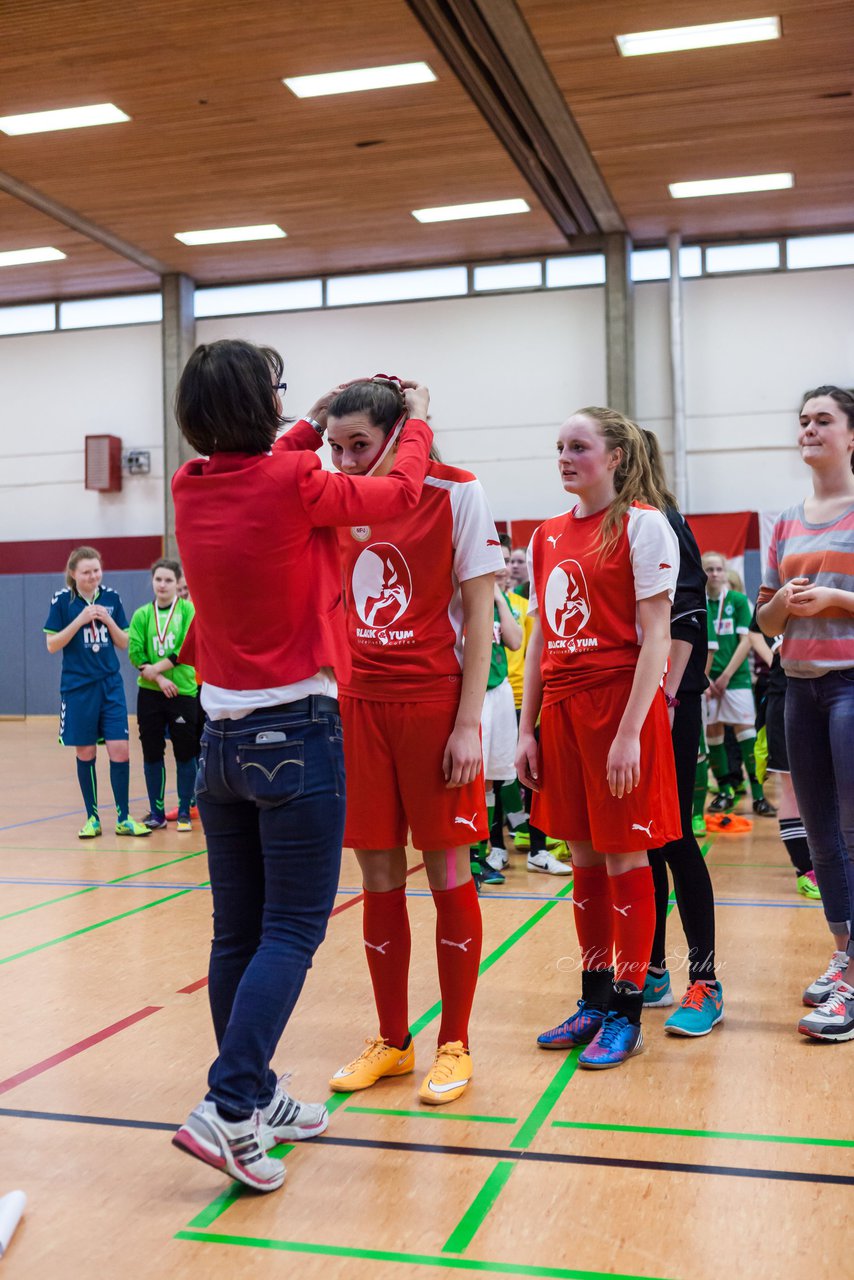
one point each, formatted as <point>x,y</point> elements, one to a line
<point>484,209</point>
<point>65,118</point>
<point>360,80</point>
<point>231,235</point>
<point>20,257</point>
<point>732,186</point>
<point>707,36</point>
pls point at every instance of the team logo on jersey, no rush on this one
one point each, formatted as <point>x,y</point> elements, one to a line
<point>567,599</point>
<point>361,532</point>
<point>382,585</point>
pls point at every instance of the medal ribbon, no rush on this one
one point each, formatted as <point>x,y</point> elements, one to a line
<point>161,636</point>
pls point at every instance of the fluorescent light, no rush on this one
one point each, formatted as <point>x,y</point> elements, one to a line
<point>20,257</point>
<point>732,186</point>
<point>707,36</point>
<point>229,235</point>
<point>485,209</point>
<point>357,81</point>
<point>65,118</point>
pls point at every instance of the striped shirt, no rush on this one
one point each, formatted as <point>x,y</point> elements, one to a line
<point>824,553</point>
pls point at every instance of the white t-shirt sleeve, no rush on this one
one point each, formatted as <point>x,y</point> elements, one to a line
<point>654,552</point>
<point>532,590</point>
<point>476,546</point>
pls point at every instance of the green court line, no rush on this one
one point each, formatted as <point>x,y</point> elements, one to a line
<point>434,1114</point>
<point>468,1226</point>
<point>92,887</point>
<point>704,1133</point>
<point>223,1202</point>
<point>413,1259</point>
<point>499,951</point>
<point>53,942</point>
<point>531,1127</point>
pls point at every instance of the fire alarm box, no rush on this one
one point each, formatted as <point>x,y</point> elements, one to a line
<point>104,463</point>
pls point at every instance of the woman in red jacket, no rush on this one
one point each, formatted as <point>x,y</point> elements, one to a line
<point>255,514</point>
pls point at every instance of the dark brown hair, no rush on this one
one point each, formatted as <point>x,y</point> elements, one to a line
<point>656,466</point>
<point>382,401</point>
<point>172,565</point>
<point>845,400</point>
<point>225,402</point>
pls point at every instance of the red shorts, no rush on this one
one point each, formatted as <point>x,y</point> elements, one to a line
<point>574,801</point>
<point>393,753</point>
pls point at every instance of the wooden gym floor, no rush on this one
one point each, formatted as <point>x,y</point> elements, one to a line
<point>728,1156</point>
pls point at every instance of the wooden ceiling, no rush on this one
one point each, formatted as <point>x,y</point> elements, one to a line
<point>215,139</point>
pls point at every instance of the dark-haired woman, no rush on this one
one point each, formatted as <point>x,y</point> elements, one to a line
<point>255,513</point>
<point>701,1007</point>
<point>415,582</point>
<point>602,582</point>
<point>87,625</point>
<point>167,693</point>
<point>808,596</point>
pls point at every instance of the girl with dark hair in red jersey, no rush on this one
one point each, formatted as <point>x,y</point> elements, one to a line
<point>414,583</point>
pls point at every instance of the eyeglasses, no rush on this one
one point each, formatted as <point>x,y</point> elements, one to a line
<point>281,386</point>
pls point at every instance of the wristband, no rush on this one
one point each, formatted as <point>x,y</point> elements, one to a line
<point>312,422</point>
<point>670,700</point>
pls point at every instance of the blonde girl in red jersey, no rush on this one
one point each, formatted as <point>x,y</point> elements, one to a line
<point>411,716</point>
<point>602,582</point>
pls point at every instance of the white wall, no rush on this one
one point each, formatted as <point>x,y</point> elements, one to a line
<point>56,388</point>
<point>504,371</point>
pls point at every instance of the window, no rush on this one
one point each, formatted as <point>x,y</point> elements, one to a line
<point>509,275</point>
<point>819,251</point>
<point>90,313</point>
<point>577,270</point>
<point>742,257</point>
<point>249,299</point>
<point>396,286</point>
<point>39,317</point>
<point>654,264</point>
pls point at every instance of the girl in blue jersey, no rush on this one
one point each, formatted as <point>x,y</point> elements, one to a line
<point>87,624</point>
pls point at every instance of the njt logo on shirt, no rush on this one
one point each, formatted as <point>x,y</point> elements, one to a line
<point>567,607</point>
<point>382,592</point>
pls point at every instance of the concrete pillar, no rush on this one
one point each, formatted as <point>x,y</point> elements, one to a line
<point>619,323</point>
<point>179,341</point>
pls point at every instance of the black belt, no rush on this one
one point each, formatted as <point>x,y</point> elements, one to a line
<point>313,704</point>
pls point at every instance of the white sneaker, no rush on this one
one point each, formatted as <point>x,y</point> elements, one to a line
<point>497,859</point>
<point>286,1120</point>
<point>233,1147</point>
<point>548,864</point>
<point>833,1019</point>
<point>818,991</point>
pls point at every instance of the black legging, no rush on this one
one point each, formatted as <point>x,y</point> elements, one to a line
<point>691,880</point>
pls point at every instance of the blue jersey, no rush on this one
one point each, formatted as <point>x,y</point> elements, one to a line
<point>89,654</point>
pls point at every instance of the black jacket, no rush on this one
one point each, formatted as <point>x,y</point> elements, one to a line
<point>688,619</point>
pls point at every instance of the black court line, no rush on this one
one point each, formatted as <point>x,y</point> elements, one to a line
<point>488,1153</point>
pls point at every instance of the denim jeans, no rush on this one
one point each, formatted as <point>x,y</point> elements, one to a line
<point>820,743</point>
<point>271,797</point>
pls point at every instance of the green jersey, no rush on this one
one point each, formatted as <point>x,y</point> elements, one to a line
<point>498,661</point>
<point>157,633</point>
<point>729,620</point>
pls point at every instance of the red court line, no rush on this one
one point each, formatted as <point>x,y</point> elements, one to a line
<point>64,1054</point>
<point>351,902</point>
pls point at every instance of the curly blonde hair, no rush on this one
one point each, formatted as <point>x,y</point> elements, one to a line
<point>633,478</point>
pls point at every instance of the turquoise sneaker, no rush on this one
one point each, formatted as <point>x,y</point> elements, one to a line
<point>656,990</point>
<point>701,1008</point>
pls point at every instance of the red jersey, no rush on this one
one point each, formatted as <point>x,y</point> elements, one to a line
<point>588,606</point>
<point>402,589</point>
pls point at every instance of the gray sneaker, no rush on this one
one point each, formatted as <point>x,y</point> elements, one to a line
<point>833,1019</point>
<point>818,991</point>
<point>286,1120</point>
<point>232,1146</point>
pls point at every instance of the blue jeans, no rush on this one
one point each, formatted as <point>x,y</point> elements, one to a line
<point>271,797</point>
<point>820,743</point>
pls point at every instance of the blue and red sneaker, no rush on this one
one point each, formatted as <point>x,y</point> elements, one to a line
<point>579,1028</point>
<point>616,1040</point>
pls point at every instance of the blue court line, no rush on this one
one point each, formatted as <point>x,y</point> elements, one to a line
<point>101,884</point>
<point>31,822</point>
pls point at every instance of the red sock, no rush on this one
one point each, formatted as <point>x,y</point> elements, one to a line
<point>459,939</point>
<point>594,916</point>
<point>385,928</point>
<point>633,896</point>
